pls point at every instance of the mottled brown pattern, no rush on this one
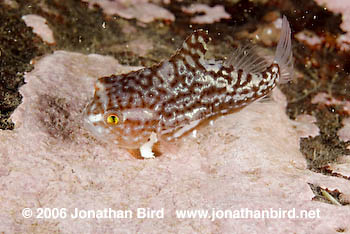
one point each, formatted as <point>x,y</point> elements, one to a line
<point>176,92</point>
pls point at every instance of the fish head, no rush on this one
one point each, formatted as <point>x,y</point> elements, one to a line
<point>124,125</point>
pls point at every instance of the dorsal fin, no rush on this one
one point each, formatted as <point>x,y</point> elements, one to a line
<point>195,44</point>
<point>247,58</point>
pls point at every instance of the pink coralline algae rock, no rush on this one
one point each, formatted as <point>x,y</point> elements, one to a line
<point>342,7</point>
<point>142,10</point>
<point>211,14</point>
<point>140,46</point>
<point>344,132</point>
<point>305,126</point>
<point>40,27</point>
<point>342,167</point>
<point>339,6</point>
<point>249,159</point>
<point>327,99</point>
<point>309,38</point>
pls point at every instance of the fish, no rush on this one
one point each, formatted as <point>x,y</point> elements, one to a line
<point>162,102</point>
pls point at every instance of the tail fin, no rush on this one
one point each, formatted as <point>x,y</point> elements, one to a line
<point>284,55</point>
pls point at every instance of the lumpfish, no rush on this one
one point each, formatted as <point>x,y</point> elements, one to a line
<point>162,102</point>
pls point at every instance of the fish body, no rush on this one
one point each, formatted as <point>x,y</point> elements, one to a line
<point>137,109</point>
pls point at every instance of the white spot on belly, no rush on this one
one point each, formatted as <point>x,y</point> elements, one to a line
<point>146,149</point>
<point>194,133</point>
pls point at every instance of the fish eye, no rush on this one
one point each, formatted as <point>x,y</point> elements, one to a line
<point>112,119</point>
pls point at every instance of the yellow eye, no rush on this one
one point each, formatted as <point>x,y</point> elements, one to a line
<point>113,119</point>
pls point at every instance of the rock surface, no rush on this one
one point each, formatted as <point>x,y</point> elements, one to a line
<point>40,27</point>
<point>249,159</point>
<point>142,10</point>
